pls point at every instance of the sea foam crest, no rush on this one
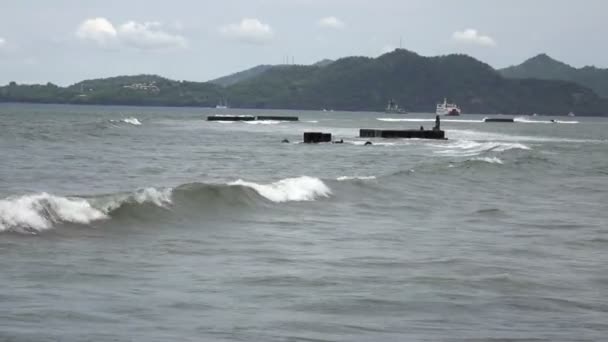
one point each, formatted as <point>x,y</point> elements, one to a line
<point>130,120</point>
<point>290,189</point>
<point>491,160</point>
<point>40,211</point>
<point>347,178</point>
<point>471,148</point>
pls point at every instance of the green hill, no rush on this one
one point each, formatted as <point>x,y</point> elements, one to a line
<point>241,76</point>
<point>547,68</point>
<point>417,83</point>
<point>355,83</point>
<point>144,90</point>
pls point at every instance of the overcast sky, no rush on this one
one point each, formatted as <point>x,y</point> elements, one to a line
<point>64,41</point>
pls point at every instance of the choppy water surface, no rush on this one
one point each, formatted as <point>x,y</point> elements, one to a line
<point>151,224</point>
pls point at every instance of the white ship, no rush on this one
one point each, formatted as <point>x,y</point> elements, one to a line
<point>446,108</point>
<point>393,108</point>
<point>222,105</point>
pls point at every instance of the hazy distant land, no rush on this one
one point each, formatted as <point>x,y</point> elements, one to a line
<point>540,85</point>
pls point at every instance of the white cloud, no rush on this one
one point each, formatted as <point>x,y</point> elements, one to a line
<point>331,23</point>
<point>471,36</point>
<point>249,30</point>
<point>98,30</point>
<point>147,35</point>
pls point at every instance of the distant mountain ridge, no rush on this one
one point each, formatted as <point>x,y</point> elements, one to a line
<point>254,72</point>
<point>544,67</point>
<point>241,76</point>
<point>415,82</point>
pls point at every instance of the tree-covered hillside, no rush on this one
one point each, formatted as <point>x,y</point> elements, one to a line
<point>546,68</point>
<point>355,83</point>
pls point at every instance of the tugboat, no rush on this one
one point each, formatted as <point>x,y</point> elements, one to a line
<point>449,109</point>
<point>393,108</point>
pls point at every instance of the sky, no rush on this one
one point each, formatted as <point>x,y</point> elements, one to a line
<point>65,41</point>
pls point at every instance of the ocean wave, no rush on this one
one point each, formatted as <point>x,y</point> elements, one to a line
<point>264,122</point>
<point>527,120</point>
<point>38,212</point>
<point>290,189</point>
<point>34,213</point>
<point>427,120</point>
<point>491,160</point>
<point>130,120</point>
<point>464,148</point>
<point>347,178</point>
<point>458,134</point>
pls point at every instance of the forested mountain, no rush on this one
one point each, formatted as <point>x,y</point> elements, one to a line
<point>546,68</point>
<point>417,83</point>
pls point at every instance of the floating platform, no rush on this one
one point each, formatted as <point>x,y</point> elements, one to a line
<point>316,137</point>
<point>277,118</point>
<point>499,120</point>
<point>407,133</point>
<point>230,118</point>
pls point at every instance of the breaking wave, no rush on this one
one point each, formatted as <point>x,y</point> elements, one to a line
<point>347,178</point>
<point>290,189</point>
<point>34,213</point>
<point>527,120</point>
<point>264,122</point>
<point>130,120</point>
<point>491,160</point>
<point>464,148</point>
<point>427,120</point>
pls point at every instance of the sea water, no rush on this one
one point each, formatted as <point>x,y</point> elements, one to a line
<point>152,224</point>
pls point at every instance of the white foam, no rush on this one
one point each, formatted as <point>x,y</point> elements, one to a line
<point>491,160</point>
<point>312,121</point>
<point>39,212</point>
<point>347,178</point>
<point>491,136</point>
<point>427,120</point>
<point>377,143</point>
<point>290,189</point>
<point>471,148</point>
<point>264,122</point>
<point>523,119</point>
<point>132,121</point>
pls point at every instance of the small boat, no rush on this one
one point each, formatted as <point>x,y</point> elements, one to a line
<point>222,105</point>
<point>571,114</point>
<point>449,109</point>
<point>393,108</point>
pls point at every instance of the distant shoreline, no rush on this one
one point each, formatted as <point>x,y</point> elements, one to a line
<point>270,109</point>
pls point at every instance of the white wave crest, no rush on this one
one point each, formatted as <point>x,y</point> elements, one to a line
<point>523,119</point>
<point>130,120</point>
<point>472,148</point>
<point>290,189</point>
<point>347,178</point>
<point>39,212</point>
<point>427,120</point>
<point>264,122</point>
<point>491,160</point>
<point>160,198</point>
